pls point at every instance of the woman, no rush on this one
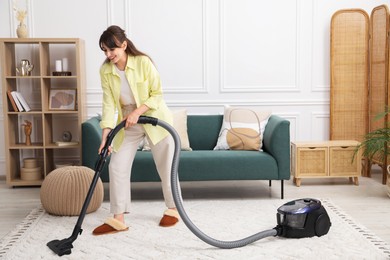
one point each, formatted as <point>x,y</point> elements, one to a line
<point>131,88</point>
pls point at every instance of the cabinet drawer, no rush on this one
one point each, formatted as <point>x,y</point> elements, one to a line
<point>341,161</point>
<point>312,161</point>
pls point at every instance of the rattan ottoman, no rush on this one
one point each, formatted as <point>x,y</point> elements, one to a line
<point>63,191</point>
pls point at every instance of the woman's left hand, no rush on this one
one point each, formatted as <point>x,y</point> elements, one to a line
<point>132,119</point>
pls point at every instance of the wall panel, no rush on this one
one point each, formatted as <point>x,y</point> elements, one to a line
<point>174,39</point>
<point>265,54</point>
<point>258,52</point>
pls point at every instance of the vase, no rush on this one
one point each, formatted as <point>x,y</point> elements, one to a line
<point>22,31</point>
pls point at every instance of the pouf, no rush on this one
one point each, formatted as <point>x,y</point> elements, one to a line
<point>63,191</point>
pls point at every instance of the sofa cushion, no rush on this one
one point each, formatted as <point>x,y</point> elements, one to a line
<point>242,129</point>
<point>180,125</point>
<point>203,131</point>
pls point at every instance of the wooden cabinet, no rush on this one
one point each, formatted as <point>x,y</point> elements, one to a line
<point>327,159</point>
<point>40,87</point>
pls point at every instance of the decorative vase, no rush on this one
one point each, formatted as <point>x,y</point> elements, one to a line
<point>22,31</point>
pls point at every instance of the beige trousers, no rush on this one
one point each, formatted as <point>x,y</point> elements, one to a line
<point>121,163</point>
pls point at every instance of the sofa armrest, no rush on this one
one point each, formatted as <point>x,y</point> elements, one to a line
<point>276,142</point>
<point>91,139</point>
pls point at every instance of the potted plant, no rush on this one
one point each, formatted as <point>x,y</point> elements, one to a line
<point>376,148</point>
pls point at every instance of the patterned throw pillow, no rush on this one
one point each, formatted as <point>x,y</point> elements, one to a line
<point>242,129</point>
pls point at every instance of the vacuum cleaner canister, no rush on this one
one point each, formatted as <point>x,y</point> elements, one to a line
<point>303,218</point>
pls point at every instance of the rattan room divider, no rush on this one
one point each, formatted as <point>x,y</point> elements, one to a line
<point>379,77</point>
<point>359,75</point>
<point>349,75</point>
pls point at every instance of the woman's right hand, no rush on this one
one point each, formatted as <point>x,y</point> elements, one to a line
<point>104,139</point>
<point>102,146</point>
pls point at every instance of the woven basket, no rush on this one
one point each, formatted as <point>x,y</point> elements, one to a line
<point>63,191</point>
<point>349,75</point>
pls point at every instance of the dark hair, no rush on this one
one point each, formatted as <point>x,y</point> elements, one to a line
<point>114,36</point>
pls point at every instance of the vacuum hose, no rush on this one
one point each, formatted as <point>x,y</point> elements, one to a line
<point>179,204</point>
<point>317,222</point>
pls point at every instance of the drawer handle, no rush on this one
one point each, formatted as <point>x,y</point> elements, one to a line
<point>312,147</point>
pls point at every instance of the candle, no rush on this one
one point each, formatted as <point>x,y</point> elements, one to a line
<point>65,64</point>
<point>58,65</point>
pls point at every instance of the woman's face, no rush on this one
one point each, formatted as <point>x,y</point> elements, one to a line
<point>115,55</point>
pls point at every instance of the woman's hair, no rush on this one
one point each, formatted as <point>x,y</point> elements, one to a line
<point>114,36</point>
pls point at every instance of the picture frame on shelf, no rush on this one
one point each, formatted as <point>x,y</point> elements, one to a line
<point>62,99</point>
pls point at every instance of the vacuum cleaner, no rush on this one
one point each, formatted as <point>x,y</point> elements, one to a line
<point>296,219</point>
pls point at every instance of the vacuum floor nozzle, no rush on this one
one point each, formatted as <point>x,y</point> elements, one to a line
<point>61,247</point>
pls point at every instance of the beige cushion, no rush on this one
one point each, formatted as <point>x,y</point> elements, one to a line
<point>63,191</point>
<point>242,129</point>
<point>180,125</point>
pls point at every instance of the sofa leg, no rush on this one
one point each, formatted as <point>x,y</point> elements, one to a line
<point>270,183</point>
<point>282,189</point>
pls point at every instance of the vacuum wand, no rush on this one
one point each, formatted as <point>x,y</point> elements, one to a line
<point>64,246</point>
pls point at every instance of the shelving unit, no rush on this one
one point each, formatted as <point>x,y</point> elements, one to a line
<point>48,124</point>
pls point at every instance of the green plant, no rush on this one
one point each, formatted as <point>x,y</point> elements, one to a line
<point>376,143</point>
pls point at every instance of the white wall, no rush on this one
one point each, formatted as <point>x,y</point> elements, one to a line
<point>265,54</point>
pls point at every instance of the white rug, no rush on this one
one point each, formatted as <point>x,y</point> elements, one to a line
<point>221,219</point>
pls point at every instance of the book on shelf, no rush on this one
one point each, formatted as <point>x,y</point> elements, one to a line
<point>12,101</point>
<point>22,101</point>
<point>17,102</point>
<point>66,143</point>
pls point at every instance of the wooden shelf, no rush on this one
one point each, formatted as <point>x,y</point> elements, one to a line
<point>19,182</point>
<point>48,124</point>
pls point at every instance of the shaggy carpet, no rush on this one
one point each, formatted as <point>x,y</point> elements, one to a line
<point>221,219</point>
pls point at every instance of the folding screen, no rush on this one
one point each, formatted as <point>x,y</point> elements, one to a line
<point>379,71</point>
<point>349,75</point>
<point>359,75</point>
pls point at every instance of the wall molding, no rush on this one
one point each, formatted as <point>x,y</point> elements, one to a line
<point>257,88</point>
<point>29,19</point>
<point>12,28</point>
<point>315,24</point>
<point>109,12</point>
<point>316,127</point>
<point>246,102</point>
<point>204,87</point>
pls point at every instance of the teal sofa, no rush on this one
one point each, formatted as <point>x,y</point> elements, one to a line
<point>203,163</point>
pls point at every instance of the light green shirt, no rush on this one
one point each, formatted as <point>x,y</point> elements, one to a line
<point>145,83</point>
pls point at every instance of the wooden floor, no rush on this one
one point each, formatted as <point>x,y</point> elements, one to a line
<point>368,203</point>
